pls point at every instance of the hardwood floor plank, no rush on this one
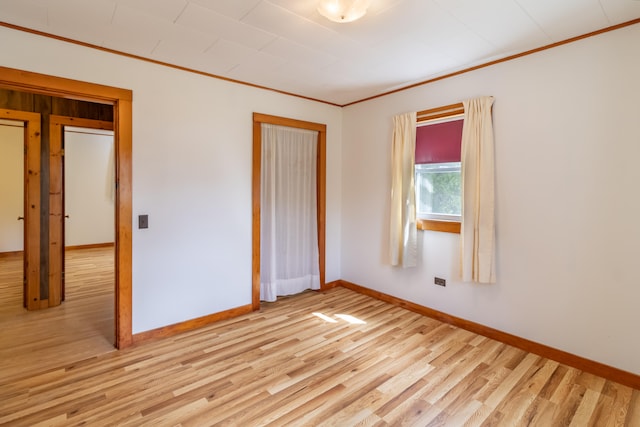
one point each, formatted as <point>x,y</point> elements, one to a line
<point>464,391</point>
<point>402,374</point>
<point>479,416</point>
<point>293,413</point>
<point>620,406</point>
<point>585,409</point>
<point>633,416</point>
<point>569,405</point>
<point>539,413</point>
<point>420,413</point>
<point>463,413</point>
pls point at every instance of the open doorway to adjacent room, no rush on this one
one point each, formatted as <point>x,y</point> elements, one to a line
<point>39,327</point>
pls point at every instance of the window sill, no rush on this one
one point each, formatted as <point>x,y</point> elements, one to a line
<point>438,225</point>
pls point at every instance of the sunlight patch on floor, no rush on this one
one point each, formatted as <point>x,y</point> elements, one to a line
<point>346,317</point>
<point>325,317</point>
<point>351,319</point>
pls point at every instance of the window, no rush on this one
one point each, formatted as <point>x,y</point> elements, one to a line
<point>437,170</point>
<point>438,191</point>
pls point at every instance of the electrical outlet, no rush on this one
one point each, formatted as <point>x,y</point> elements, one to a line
<point>439,281</point>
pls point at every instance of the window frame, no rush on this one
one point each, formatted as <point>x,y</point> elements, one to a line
<point>441,225</point>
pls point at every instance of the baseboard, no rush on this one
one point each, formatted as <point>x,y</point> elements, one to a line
<point>331,285</point>
<point>170,330</point>
<point>189,325</point>
<point>10,253</point>
<point>91,246</point>
<point>587,365</point>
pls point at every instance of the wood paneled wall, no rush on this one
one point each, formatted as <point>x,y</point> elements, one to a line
<point>23,101</point>
<point>46,106</point>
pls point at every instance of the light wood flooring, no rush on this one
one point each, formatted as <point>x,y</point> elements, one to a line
<point>81,327</point>
<point>334,358</point>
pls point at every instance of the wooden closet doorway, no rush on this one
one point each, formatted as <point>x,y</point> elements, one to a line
<point>258,119</point>
<point>120,99</point>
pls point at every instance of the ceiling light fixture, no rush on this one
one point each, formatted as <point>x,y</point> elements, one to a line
<point>343,10</point>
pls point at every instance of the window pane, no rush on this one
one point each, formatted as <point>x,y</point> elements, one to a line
<point>438,190</point>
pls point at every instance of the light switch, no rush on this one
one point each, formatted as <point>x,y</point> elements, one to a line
<point>143,221</point>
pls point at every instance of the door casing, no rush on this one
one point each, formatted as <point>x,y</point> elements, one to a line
<point>258,119</point>
<point>121,99</point>
<point>56,199</point>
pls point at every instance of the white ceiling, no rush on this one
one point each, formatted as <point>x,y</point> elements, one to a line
<point>287,45</point>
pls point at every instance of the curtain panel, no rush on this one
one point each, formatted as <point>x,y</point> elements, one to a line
<point>403,231</point>
<point>289,259</point>
<point>477,233</point>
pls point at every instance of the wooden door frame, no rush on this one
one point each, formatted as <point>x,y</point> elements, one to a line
<point>31,244</point>
<point>121,100</point>
<point>56,200</point>
<point>321,173</point>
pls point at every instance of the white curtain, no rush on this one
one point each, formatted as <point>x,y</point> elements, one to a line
<point>403,231</point>
<point>477,234</point>
<point>289,261</point>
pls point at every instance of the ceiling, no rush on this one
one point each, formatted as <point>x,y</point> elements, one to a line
<point>287,45</point>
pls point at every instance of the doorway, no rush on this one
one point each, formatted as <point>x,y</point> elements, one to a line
<point>22,132</point>
<point>88,188</point>
<point>12,196</point>
<point>95,212</point>
<point>88,223</point>
<point>11,213</point>
<point>120,100</point>
<point>321,129</point>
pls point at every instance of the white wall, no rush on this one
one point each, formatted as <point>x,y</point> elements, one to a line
<point>89,187</point>
<point>567,135</point>
<point>192,139</point>
<point>11,186</point>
